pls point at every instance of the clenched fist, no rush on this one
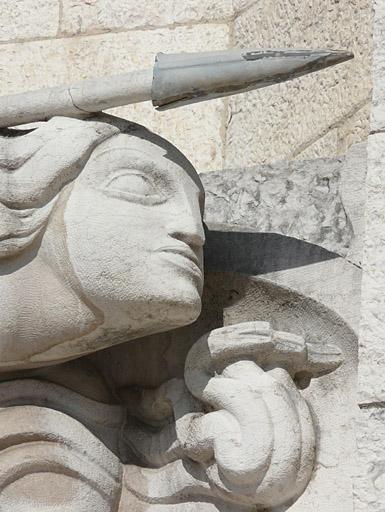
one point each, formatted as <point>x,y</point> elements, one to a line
<point>257,440</point>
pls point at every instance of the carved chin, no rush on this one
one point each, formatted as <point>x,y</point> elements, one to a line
<point>178,313</point>
<point>189,312</point>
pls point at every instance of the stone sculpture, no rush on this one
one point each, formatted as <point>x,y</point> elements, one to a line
<point>101,242</point>
<point>102,222</point>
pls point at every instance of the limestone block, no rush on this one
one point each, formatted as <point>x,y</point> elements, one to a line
<point>354,129</point>
<point>322,147</point>
<point>276,123</point>
<point>370,482</point>
<point>48,63</point>
<point>240,5</point>
<point>372,333</point>
<point>197,130</point>
<point>378,109</point>
<point>27,19</point>
<point>102,15</point>
<point>338,140</point>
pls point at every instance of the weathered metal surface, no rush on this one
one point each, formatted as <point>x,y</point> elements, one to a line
<point>182,79</point>
<point>78,100</point>
<point>176,80</point>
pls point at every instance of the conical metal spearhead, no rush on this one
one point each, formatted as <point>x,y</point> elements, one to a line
<point>182,79</point>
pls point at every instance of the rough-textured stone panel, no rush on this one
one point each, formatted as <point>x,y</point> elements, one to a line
<point>372,332</point>
<point>28,19</point>
<point>196,130</point>
<point>370,482</point>
<point>102,15</point>
<point>276,123</point>
<point>315,201</point>
<point>378,111</point>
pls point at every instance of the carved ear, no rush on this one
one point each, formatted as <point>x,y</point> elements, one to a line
<point>48,457</point>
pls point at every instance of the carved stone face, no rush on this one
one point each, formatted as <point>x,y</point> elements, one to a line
<point>121,255</point>
<point>134,231</point>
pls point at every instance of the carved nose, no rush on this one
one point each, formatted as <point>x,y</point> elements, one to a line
<point>187,228</point>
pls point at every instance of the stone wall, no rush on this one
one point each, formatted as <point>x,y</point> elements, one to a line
<point>318,115</point>
<point>58,41</point>
<point>370,496</point>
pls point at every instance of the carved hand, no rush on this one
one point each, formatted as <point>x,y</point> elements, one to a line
<point>257,445</point>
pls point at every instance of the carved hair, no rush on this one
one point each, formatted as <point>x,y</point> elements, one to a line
<point>35,165</point>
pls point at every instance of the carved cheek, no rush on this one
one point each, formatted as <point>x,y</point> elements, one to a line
<point>99,242</point>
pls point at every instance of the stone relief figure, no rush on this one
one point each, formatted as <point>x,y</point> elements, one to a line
<point>101,243</point>
<point>104,224</point>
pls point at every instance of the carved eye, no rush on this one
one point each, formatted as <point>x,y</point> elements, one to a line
<point>133,185</point>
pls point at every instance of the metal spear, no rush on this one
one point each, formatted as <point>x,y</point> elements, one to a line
<point>175,80</point>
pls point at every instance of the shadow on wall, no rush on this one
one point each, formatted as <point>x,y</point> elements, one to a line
<point>259,253</point>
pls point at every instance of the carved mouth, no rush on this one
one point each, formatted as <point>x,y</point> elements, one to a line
<point>186,253</point>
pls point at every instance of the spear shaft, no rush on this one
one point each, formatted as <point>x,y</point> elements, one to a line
<point>175,80</point>
<point>80,100</point>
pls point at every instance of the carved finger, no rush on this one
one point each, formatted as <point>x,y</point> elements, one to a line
<point>282,376</point>
<point>322,358</point>
<point>306,423</point>
<point>268,348</point>
<point>292,457</point>
<point>240,341</point>
<point>242,456</point>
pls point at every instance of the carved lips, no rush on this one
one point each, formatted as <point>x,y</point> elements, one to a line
<point>182,256</point>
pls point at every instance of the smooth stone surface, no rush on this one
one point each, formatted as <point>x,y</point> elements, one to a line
<point>228,299</point>
<point>231,300</point>
<point>79,200</point>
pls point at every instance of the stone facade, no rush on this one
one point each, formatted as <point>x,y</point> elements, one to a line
<point>60,41</point>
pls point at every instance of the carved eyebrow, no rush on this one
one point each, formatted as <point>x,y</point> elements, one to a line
<point>113,150</point>
<point>146,161</point>
<point>193,175</point>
